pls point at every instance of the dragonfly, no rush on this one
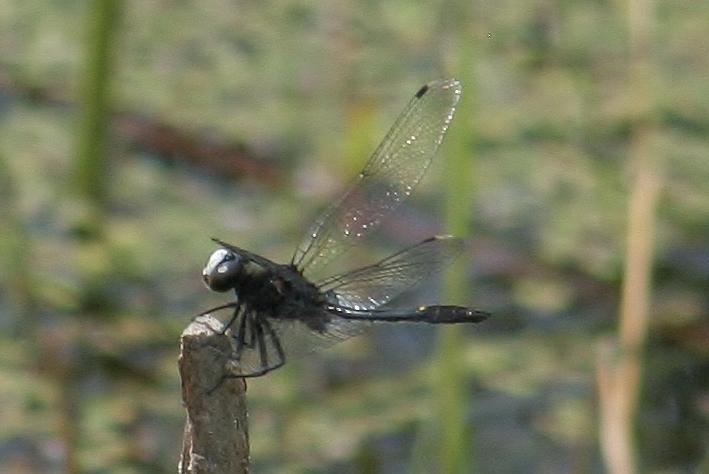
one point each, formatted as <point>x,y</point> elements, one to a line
<point>282,311</point>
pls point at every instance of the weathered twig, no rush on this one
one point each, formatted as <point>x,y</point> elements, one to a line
<point>216,433</point>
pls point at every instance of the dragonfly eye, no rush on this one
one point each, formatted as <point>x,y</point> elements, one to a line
<point>221,270</point>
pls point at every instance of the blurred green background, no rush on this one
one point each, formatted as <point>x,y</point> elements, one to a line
<point>132,131</point>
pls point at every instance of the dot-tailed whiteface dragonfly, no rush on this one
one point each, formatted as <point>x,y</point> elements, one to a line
<point>283,310</point>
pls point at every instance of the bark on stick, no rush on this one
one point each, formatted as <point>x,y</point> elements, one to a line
<point>216,432</point>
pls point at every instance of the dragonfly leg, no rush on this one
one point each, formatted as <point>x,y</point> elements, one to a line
<point>218,308</point>
<point>250,331</point>
<point>276,343</point>
<point>263,350</point>
<point>237,308</point>
<point>233,304</point>
<point>256,373</point>
<point>241,335</point>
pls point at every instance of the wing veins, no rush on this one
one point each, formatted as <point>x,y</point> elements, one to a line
<point>395,168</point>
<point>374,285</point>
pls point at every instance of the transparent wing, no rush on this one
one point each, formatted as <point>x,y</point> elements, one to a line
<point>261,344</point>
<point>300,340</point>
<point>397,165</point>
<point>374,285</point>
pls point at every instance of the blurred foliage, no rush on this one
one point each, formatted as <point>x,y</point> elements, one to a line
<point>299,81</point>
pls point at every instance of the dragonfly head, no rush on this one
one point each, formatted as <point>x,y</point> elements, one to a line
<point>221,270</point>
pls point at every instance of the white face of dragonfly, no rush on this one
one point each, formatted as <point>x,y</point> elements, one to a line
<point>221,270</point>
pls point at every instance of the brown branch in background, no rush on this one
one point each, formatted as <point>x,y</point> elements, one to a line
<point>171,143</point>
<point>216,436</point>
<point>176,145</point>
<point>620,362</point>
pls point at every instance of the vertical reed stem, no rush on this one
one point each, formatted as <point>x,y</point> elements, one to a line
<point>91,178</point>
<point>92,159</point>
<point>454,434</point>
<point>620,362</point>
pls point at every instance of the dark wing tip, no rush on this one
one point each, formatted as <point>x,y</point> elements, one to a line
<point>422,91</point>
<point>440,84</point>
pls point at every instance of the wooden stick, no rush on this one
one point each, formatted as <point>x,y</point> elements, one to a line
<point>216,436</point>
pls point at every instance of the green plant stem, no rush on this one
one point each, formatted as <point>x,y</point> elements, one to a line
<point>455,436</point>
<point>91,159</point>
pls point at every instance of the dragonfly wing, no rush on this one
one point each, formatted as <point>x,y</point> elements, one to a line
<point>395,168</point>
<point>261,344</point>
<point>299,340</point>
<point>374,285</point>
